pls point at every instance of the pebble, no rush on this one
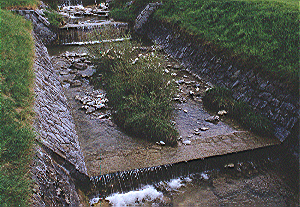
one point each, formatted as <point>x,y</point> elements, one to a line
<point>186,142</point>
<point>213,119</point>
<point>221,113</point>
<point>204,128</point>
<point>230,165</point>
<point>90,110</point>
<point>161,143</point>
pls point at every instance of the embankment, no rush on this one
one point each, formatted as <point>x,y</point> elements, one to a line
<point>270,97</point>
<point>58,162</point>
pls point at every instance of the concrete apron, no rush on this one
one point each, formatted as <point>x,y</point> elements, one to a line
<point>107,149</point>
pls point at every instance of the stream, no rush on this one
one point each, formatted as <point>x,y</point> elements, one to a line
<point>254,177</point>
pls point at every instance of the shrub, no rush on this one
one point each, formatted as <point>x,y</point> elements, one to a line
<point>221,99</point>
<point>54,18</point>
<point>139,92</point>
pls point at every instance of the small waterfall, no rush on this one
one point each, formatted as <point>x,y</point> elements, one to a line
<point>126,181</point>
<point>89,32</point>
<point>85,24</point>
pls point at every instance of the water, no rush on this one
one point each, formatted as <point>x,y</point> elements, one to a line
<point>262,177</point>
<point>246,178</point>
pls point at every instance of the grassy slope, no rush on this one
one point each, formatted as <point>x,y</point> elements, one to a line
<point>264,33</point>
<point>18,3</point>
<point>16,99</point>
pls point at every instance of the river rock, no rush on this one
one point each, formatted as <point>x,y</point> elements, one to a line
<point>64,72</point>
<point>213,119</point>
<point>79,66</point>
<point>89,72</point>
<point>76,83</point>
<point>90,110</point>
<point>186,142</point>
<point>204,128</point>
<point>162,143</point>
<point>221,113</point>
<point>177,67</point>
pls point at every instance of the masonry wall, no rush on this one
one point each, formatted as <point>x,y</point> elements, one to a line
<point>269,97</point>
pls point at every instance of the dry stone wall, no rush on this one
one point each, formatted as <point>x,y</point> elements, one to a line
<point>271,98</point>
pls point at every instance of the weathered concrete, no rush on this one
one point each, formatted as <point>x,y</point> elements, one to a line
<point>94,25</point>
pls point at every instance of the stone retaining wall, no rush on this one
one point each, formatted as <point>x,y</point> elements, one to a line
<point>58,157</point>
<point>271,98</point>
<point>59,164</point>
<point>143,17</point>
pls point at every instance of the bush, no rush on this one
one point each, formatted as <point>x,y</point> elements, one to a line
<point>54,18</point>
<point>221,99</point>
<point>139,93</point>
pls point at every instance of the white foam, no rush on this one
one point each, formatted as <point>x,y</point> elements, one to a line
<point>148,193</point>
<point>188,179</point>
<point>174,184</point>
<point>204,176</point>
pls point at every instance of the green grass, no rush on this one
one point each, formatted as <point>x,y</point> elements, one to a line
<point>217,99</point>
<point>122,12</point>
<point>139,93</point>
<point>54,18</point>
<point>263,35</point>
<point>18,3</point>
<point>16,100</point>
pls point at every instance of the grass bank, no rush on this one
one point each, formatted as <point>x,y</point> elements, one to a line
<point>16,100</point>
<point>139,93</point>
<point>10,4</point>
<point>261,35</point>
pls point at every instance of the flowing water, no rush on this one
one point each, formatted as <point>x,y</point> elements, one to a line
<point>260,177</point>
